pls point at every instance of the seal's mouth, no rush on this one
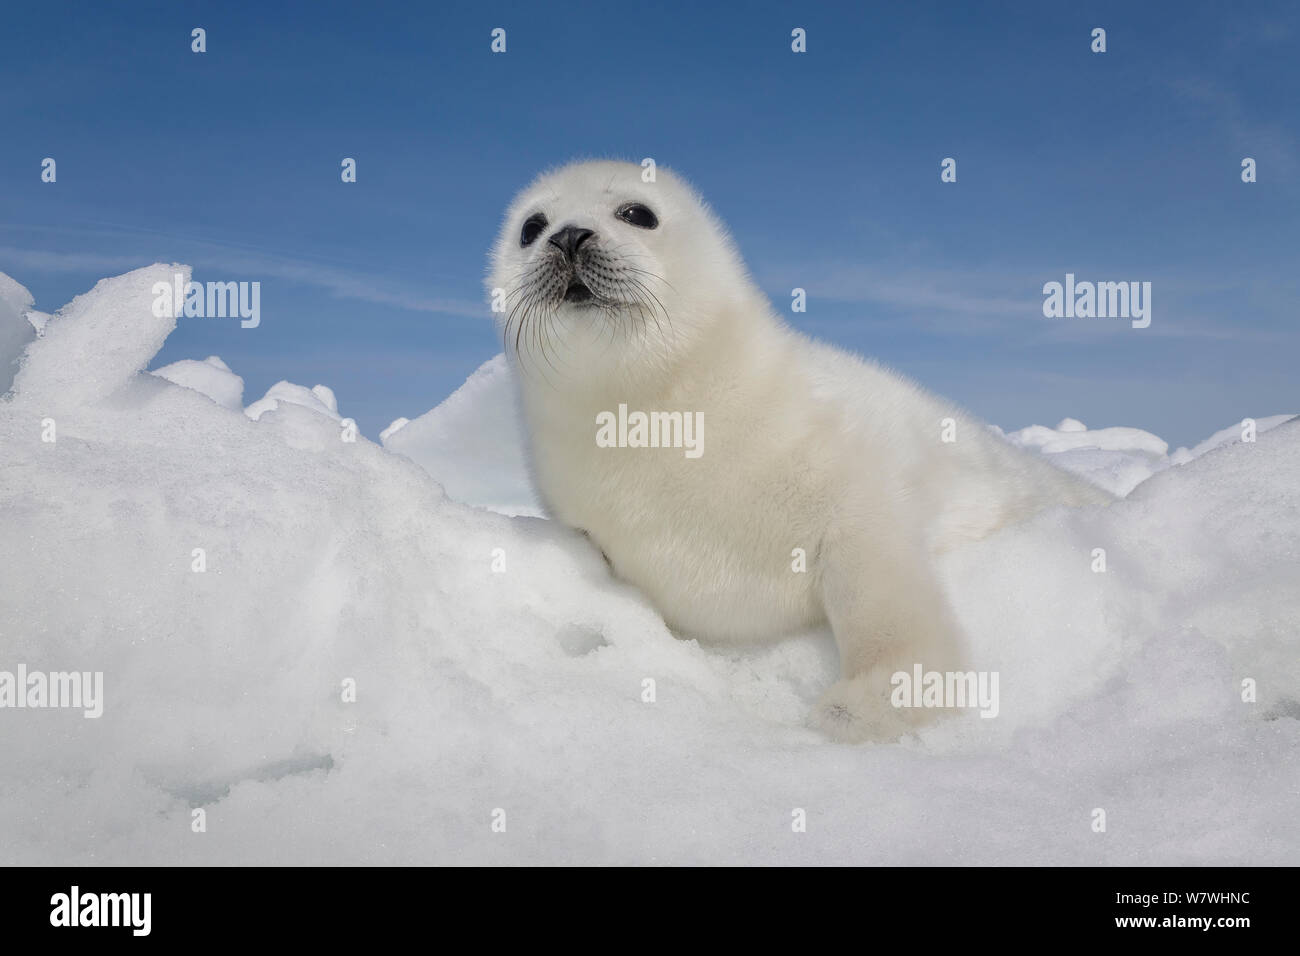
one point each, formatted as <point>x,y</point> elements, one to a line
<point>577,292</point>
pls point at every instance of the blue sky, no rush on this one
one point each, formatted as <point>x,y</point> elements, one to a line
<point>1115,166</point>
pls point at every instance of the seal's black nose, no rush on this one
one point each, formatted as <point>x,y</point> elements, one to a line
<point>568,239</point>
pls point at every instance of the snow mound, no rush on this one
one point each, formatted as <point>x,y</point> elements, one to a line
<point>1227,436</point>
<point>97,343</point>
<point>1120,459</point>
<point>15,330</point>
<point>211,377</point>
<point>341,665</point>
<point>1072,434</point>
<point>318,398</point>
<point>396,425</point>
<point>1117,459</point>
<point>38,320</point>
<point>472,443</point>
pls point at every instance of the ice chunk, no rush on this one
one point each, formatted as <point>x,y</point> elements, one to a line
<point>472,443</point>
<point>1229,435</point>
<point>395,426</point>
<point>99,341</point>
<point>319,398</point>
<point>15,330</point>
<point>212,377</point>
<point>1117,459</point>
<point>38,320</point>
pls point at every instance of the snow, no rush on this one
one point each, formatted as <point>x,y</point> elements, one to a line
<point>38,320</point>
<point>211,377</point>
<point>98,341</point>
<point>396,425</point>
<point>1227,436</point>
<point>498,666</point>
<point>472,443</point>
<point>1119,459</point>
<point>15,330</point>
<point>1072,434</point>
<point>318,398</point>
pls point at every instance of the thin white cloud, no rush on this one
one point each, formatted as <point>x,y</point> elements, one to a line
<point>979,303</point>
<point>233,263</point>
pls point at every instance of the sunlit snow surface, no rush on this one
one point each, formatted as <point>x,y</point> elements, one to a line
<point>522,689</point>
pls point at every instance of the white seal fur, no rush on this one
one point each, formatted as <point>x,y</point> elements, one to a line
<point>805,446</point>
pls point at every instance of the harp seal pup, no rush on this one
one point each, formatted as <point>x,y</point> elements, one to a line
<point>613,291</point>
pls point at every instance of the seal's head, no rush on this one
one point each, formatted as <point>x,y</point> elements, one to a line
<point>598,273</point>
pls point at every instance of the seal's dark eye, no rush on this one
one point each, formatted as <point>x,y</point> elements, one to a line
<point>637,215</point>
<point>533,227</point>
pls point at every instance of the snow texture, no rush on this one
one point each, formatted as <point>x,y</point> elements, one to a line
<point>472,443</point>
<point>318,398</point>
<point>15,330</point>
<point>498,666</point>
<point>211,377</point>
